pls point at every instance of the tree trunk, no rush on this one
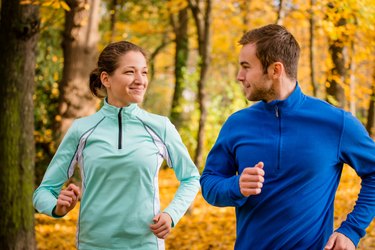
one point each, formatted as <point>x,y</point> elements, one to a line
<point>245,9</point>
<point>113,13</point>
<point>371,110</point>
<point>181,60</point>
<point>311,44</point>
<point>164,43</point>
<point>353,84</point>
<point>337,75</point>
<point>80,55</point>
<point>203,23</point>
<point>19,28</point>
<point>334,90</point>
<point>280,13</point>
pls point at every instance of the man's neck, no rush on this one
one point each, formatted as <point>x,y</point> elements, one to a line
<point>286,88</point>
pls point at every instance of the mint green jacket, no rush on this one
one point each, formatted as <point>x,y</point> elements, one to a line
<point>119,152</point>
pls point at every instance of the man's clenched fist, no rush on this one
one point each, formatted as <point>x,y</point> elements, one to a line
<point>251,180</point>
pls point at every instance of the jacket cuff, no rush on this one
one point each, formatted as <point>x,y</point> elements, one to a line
<point>173,216</point>
<point>353,233</point>
<point>55,215</point>
<point>234,191</point>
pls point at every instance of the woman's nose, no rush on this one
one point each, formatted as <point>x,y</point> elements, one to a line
<point>139,78</point>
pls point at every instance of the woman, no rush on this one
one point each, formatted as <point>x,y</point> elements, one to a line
<point>119,151</point>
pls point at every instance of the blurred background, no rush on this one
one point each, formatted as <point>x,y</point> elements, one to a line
<point>193,61</point>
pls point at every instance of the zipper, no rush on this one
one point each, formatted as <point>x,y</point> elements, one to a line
<point>277,114</point>
<point>119,129</point>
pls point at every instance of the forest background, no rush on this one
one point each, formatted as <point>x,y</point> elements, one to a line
<point>48,48</point>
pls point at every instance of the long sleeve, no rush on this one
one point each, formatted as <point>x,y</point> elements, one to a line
<point>219,181</point>
<point>358,151</point>
<point>185,170</point>
<point>58,172</point>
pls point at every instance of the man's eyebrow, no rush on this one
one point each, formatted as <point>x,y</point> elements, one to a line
<point>244,63</point>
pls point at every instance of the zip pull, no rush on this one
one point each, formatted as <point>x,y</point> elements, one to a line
<point>277,111</point>
<point>119,129</point>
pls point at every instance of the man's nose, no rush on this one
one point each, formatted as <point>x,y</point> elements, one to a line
<point>240,76</point>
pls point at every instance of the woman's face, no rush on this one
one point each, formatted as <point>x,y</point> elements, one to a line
<point>129,82</point>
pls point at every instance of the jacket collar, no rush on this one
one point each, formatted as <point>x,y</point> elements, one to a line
<point>112,111</point>
<point>291,102</point>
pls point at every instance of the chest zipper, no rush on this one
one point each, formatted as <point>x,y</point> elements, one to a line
<point>277,114</point>
<point>119,129</point>
<point>277,111</point>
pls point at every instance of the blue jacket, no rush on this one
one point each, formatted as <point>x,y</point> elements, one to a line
<point>304,143</point>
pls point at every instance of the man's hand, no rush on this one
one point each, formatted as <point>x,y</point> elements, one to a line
<point>251,180</point>
<point>338,241</point>
<point>67,200</point>
<point>162,225</point>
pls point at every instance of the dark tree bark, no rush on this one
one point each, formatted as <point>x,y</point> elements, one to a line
<point>202,19</point>
<point>165,41</point>
<point>335,92</point>
<point>181,59</point>
<point>113,13</point>
<point>337,75</point>
<point>19,28</point>
<point>280,13</point>
<point>245,8</point>
<point>80,55</point>
<point>312,49</point>
<point>371,110</point>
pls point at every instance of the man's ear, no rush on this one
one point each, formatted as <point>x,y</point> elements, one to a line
<point>104,77</point>
<point>276,69</point>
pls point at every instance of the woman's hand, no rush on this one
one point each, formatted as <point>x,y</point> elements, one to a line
<point>162,225</point>
<point>67,200</point>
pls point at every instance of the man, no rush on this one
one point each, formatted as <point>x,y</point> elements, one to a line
<point>279,161</point>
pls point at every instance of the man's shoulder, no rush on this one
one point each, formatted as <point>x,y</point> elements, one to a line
<point>322,105</point>
<point>245,112</point>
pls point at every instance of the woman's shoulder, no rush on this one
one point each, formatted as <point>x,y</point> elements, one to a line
<point>82,124</point>
<point>156,122</point>
<point>147,116</point>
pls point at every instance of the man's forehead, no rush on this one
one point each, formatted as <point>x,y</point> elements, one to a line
<point>247,51</point>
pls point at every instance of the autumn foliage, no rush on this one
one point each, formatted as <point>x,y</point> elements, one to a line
<point>203,227</point>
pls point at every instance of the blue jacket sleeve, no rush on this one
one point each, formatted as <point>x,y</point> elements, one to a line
<point>357,149</point>
<point>220,181</point>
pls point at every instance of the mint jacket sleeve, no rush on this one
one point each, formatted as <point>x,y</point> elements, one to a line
<point>185,170</point>
<point>219,181</point>
<point>58,172</point>
<point>357,149</point>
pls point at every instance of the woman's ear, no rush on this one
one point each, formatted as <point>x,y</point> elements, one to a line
<point>104,77</point>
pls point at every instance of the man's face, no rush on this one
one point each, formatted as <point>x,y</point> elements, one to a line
<point>256,85</point>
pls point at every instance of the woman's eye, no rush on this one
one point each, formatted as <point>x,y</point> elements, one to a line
<point>129,72</point>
